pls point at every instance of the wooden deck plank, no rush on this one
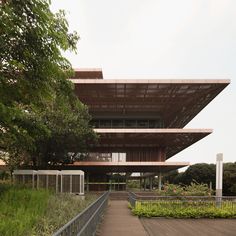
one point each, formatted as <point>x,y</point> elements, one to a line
<point>190,227</point>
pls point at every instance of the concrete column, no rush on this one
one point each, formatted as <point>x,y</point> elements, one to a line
<point>219,177</point>
<point>159,181</point>
<point>145,185</point>
<point>150,183</point>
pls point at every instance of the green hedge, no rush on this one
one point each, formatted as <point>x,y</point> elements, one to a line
<point>180,209</point>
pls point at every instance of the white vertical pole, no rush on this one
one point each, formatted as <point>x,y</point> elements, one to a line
<point>219,177</point>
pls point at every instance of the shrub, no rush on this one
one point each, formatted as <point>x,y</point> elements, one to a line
<point>171,190</point>
<point>181,209</point>
<point>4,175</point>
<point>25,211</point>
<point>194,189</point>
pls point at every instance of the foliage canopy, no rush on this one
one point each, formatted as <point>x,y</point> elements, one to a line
<point>41,120</point>
<point>205,173</point>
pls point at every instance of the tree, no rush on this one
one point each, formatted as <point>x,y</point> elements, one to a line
<point>205,173</point>
<point>170,176</point>
<point>70,134</point>
<point>33,80</point>
<point>229,179</point>
<point>201,173</point>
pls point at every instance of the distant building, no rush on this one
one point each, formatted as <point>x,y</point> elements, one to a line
<point>140,124</point>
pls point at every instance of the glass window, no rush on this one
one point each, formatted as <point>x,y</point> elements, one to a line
<point>114,157</point>
<point>152,124</point>
<point>117,123</point>
<point>130,124</point>
<point>142,123</point>
<point>105,123</point>
<point>118,157</point>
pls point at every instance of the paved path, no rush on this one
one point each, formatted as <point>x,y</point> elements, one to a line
<point>189,227</point>
<point>118,221</point>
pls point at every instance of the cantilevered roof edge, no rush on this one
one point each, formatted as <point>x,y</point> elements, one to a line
<point>125,130</point>
<point>151,81</point>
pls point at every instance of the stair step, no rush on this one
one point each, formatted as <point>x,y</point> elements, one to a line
<point>118,195</point>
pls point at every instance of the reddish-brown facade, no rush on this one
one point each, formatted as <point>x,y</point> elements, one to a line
<point>140,122</point>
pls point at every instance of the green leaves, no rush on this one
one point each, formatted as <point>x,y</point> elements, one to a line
<point>38,108</point>
<point>205,173</point>
<point>181,209</point>
<point>70,132</point>
<point>194,189</point>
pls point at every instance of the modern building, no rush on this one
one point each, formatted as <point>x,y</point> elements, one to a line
<point>140,124</point>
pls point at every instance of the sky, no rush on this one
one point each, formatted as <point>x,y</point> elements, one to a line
<point>159,39</point>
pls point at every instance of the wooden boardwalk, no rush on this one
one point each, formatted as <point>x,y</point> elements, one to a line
<point>189,227</point>
<point>118,221</point>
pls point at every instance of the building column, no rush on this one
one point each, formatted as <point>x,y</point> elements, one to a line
<point>145,185</point>
<point>140,184</point>
<point>150,183</point>
<point>159,181</point>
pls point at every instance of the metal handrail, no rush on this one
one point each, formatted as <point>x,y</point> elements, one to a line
<point>215,200</point>
<point>85,223</point>
<point>157,197</point>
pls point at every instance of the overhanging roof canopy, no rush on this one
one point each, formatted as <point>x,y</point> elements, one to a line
<point>107,167</point>
<point>174,140</point>
<point>175,101</point>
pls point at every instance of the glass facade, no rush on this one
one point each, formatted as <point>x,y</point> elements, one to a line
<point>107,157</point>
<point>127,123</point>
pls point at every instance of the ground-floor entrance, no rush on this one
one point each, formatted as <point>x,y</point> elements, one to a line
<point>122,181</point>
<point>105,182</point>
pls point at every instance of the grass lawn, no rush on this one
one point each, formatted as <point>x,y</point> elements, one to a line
<point>24,211</point>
